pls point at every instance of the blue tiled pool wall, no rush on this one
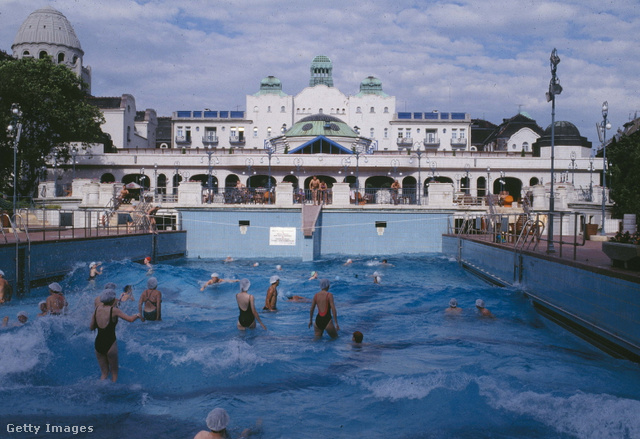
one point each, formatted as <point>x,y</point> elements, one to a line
<point>609,304</point>
<point>216,234</point>
<point>53,259</point>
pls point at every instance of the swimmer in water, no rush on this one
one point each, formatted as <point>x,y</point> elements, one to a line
<point>147,263</point>
<point>272,294</point>
<point>56,303</point>
<point>327,313</point>
<point>349,262</point>
<point>453,308</point>
<point>314,275</point>
<point>357,337</point>
<point>228,259</point>
<point>93,270</point>
<point>151,298</point>
<point>215,279</point>
<point>43,308</point>
<point>217,421</point>
<point>482,311</point>
<point>5,289</point>
<point>247,307</point>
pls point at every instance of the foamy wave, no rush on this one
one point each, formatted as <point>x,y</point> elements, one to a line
<point>416,387</point>
<point>21,349</point>
<point>583,415</point>
<point>232,354</point>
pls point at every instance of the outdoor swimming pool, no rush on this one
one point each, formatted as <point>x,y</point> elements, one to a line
<point>419,373</point>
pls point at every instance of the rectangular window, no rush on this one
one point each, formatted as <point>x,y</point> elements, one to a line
<point>462,133</point>
<point>430,135</point>
<point>454,133</point>
<point>400,133</point>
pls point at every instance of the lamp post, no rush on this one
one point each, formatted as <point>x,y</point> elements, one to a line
<point>249,164</point>
<point>554,89</point>
<point>458,182</point>
<point>270,149</point>
<point>573,167</point>
<point>488,191</point>
<point>433,165</point>
<point>394,167</point>
<point>467,167</point>
<point>74,153</point>
<point>591,178</point>
<point>604,126</point>
<point>15,126</point>
<point>155,182</point>
<point>176,178</point>
<point>419,153</point>
<point>357,153</point>
<point>209,150</point>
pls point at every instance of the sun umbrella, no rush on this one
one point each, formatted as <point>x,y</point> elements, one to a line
<point>132,185</point>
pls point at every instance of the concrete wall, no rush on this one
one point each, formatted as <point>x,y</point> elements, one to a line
<point>604,305</point>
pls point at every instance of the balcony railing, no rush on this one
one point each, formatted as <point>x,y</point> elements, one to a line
<point>183,139</point>
<point>210,139</point>
<point>404,142</point>
<point>459,142</point>
<point>237,140</point>
<point>431,142</point>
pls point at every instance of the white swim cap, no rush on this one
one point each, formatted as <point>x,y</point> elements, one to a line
<point>215,275</point>
<point>55,286</point>
<point>480,303</point>
<point>244,284</point>
<point>273,279</point>
<point>217,419</point>
<point>453,303</point>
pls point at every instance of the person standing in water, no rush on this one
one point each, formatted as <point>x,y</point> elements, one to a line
<point>152,301</point>
<point>272,294</point>
<point>327,313</point>
<point>5,289</point>
<point>104,319</point>
<point>56,303</point>
<point>247,307</point>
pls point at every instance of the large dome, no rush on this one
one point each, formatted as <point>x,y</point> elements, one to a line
<point>47,26</point>
<point>320,125</point>
<point>565,134</point>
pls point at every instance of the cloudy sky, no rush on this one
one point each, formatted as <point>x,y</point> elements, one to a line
<point>488,58</point>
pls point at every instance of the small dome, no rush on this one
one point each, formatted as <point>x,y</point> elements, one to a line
<point>48,26</point>
<point>371,81</point>
<point>270,81</point>
<point>564,129</point>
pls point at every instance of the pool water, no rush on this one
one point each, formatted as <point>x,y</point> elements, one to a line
<point>418,374</point>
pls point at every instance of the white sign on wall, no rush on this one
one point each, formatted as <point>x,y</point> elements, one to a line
<point>282,236</point>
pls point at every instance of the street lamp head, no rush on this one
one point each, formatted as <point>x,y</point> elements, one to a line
<point>554,58</point>
<point>573,155</point>
<point>605,108</point>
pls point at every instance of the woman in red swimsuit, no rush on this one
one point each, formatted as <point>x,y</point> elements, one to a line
<point>327,313</point>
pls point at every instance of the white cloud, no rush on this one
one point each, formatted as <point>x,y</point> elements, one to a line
<point>485,58</point>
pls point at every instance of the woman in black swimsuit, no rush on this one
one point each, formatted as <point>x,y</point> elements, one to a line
<point>104,319</point>
<point>151,300</point>
<point>248,315</point>
<point>327,312</point>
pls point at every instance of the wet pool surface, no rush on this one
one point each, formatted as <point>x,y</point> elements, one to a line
<point>418,374</point>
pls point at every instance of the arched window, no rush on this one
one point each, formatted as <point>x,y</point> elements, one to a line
<point>43,54</point>
<point>371,133</point>
<point>386,109</point>
<point>60,58</point>
<point>255,131</point>
<point>255,109</point>
<point>372,110</point>
<point>269,109</point>
<point>358,110</point>
<point>386,133</point>
<point>26,53</point>
<point>269,132</point>
<point>525,146</point>
<point>282,109</point>
<point>320,110</point>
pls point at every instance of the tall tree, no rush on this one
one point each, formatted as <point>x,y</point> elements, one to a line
<point>55,113</point>
<point>623,156</point>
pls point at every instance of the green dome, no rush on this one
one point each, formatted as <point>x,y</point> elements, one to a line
<point>320,125</point>
<point>371,86</point>
<point>270,85</point>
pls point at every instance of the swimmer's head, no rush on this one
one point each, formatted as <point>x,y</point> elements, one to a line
<point>480,303</point>
<point>453,303</point>
<point>256,264</point>
<point>152,283</point>
<point>273,279</point>
<point>147,259</point>
<point>244,284</point>
<point>55,287</point>
<point>217,419</point>
<point>314,273</point>
<point>109,286</point>
<point>324,284</point>
<point>128,289</point>
<point>349,261</point>
<point>107,296</point>
<point>278,267</point>
<point>357,336</point>
<point>92,264</point>
<point>22,317</point>
<point>1,273</point>
<point>214,275</point>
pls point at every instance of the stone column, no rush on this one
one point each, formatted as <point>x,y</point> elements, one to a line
<point>341,194</point>
<point>284,194</point>
<point>190,193</point>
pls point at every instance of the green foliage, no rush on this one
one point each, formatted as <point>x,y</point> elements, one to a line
<point>55,112</point>
<point>624,174</point>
